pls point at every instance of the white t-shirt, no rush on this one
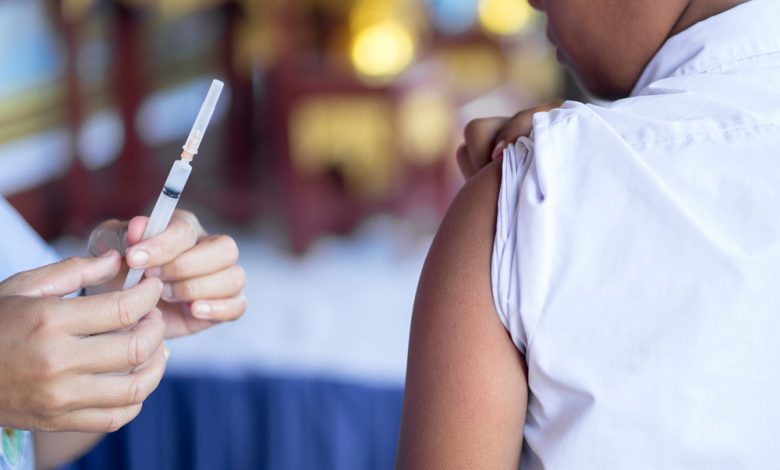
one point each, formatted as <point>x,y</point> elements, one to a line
<point>21,249</point>
<point>637,259</point>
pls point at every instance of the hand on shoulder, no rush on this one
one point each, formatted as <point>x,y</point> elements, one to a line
<point>485,139</point>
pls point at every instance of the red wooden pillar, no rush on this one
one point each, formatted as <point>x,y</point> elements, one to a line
<point>240,118</point>
<point>77,185</point>
<point>237,198</point>
<point>131,186</point>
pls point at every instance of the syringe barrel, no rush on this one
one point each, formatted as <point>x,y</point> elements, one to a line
<point>163,210</point>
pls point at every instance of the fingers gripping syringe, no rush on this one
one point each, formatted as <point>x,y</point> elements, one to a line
<point>177,178</point>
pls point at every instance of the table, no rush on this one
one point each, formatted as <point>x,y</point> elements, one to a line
<point>256,422</point>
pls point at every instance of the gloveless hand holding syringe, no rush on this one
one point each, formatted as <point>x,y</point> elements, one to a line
<point>177,178</point>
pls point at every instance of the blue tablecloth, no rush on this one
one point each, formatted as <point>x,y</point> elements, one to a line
<point>256,422</point>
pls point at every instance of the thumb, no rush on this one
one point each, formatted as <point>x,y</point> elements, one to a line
<point>522,124</point>
<point>65,277</point>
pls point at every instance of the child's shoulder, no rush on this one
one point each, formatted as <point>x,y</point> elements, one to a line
<point>663,117</point>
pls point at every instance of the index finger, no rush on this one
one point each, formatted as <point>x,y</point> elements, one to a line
<point>64,277</point>
<point>182,233</point>
<point>110,311</point>
<point>522,123</point>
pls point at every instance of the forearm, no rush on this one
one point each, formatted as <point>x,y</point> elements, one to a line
<point>54,449</point>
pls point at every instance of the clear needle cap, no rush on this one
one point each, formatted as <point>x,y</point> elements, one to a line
<point>204,116</point>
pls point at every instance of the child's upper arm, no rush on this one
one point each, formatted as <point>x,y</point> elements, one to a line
<point>466,386</point>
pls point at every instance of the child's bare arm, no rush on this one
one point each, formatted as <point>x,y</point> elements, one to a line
<point>466,387</point>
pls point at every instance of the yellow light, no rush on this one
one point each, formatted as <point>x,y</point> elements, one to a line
<point>425,125</point>
<point>74,9</point>
<point>383,50</point>
<point>352,135</point>
<point>504,17</point>
<point>370,12</point>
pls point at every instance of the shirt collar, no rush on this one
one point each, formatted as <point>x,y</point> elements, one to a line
<point>721,43</point>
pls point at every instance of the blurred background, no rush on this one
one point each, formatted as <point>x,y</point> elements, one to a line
<point>330,159</point>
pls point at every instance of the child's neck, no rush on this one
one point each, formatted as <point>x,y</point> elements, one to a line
<point>700,10</point>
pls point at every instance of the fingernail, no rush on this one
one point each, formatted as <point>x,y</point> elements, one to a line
<point>202,311</point>
<point>498,150</point>
<point>166,351</point>
<point>140,258</point>
<point>108,254</point>
<point>167,292</point>
<point>154,272</point>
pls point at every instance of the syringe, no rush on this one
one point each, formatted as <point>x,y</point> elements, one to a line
<point>177,178</point>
